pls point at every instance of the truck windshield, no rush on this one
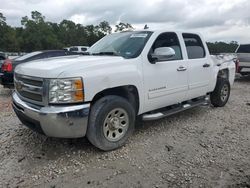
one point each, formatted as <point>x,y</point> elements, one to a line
<point>244,48</point>
<point>126,44</point>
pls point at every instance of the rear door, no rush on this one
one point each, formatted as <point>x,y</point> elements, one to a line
<point>199,66</point>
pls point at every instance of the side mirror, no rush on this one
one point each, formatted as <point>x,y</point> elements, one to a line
<point>163,54</point>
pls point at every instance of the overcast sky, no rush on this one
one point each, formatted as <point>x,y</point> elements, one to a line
<point>223,20</point>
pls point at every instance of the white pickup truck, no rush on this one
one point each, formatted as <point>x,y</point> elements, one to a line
<point>151,74</point>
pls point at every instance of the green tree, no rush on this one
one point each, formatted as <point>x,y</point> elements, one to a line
<point>93,34</point>
<point>2,19</point>
<point>37,17</point>
<point>38,34</point>
<point>8,40</point>
<point>67,33</point>
<point>123,27</point>
<point>222,47</point>
<point>105,28</point>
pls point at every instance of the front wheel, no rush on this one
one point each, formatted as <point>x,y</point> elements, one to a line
<point>111,122</point>
<point>221,93</point>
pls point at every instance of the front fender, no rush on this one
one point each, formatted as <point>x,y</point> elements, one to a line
<point>96,80</point>
<point>229,66</point>
<point>223,62</point>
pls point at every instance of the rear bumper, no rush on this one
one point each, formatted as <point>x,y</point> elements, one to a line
<point>53,121</point>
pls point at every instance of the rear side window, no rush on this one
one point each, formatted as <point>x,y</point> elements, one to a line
<point>244,48</point>
<point>194,46</point>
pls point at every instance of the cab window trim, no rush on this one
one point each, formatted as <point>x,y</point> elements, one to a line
<point>203,47</point>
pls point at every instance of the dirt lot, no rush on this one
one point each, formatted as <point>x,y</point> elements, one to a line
<point>201,147</point>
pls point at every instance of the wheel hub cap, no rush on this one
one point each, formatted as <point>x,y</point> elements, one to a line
<point>224,92</point>
<point>115,124</point>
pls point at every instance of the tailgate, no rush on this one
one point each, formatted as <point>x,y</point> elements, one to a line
<point>244,59</point>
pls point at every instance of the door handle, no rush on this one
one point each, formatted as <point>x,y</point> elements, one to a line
<point>181,68</point>
<point>206,65</point>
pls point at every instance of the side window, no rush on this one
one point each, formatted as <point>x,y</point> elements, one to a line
<point>73,49</point>
<point>244,48</point>
<point>84,49</point>
<point>194,46</point>
<point>168,40</point>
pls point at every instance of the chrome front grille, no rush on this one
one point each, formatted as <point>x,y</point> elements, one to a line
<point>30,89</point>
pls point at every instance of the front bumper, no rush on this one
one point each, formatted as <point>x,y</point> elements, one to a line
<point>53,121</point>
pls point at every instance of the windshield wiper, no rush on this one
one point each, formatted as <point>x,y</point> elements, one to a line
<point>105,53</point>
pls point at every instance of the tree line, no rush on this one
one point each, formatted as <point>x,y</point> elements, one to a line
<point>222,47</point>
<point>38,34</point>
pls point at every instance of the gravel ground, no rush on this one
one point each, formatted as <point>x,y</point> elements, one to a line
<point>201,147</point>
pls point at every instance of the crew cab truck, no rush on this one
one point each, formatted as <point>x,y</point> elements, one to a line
<point>150,74</point>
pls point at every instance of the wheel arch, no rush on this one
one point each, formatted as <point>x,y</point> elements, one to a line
<point>129,92</point>
<point>223,73</point>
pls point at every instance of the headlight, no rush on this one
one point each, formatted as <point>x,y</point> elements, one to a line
<point>66,90</point>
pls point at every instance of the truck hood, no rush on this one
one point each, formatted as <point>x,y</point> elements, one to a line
<point>53,67</point>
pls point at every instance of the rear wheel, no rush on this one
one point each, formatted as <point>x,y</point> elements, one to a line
<point>221,93</point>
<point>111,122</point>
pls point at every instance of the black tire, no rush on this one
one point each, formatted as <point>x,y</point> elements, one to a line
<point>218,97</point>
<point>98,115</point>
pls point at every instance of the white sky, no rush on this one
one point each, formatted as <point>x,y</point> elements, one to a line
<point>223,20</point>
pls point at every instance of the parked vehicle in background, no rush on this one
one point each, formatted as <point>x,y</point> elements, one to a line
<point>8,66</point>
<point>151,74</point>
<point>243,59</point>
<point>13,55</point>
<point>78,49</point>
<point>2,58</point>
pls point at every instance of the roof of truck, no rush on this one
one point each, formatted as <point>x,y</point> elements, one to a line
<point>161,31</point>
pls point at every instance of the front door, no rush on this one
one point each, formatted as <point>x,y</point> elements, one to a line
<point>165,82</point>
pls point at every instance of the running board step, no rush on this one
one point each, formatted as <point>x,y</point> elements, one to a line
<point>175,109</point>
